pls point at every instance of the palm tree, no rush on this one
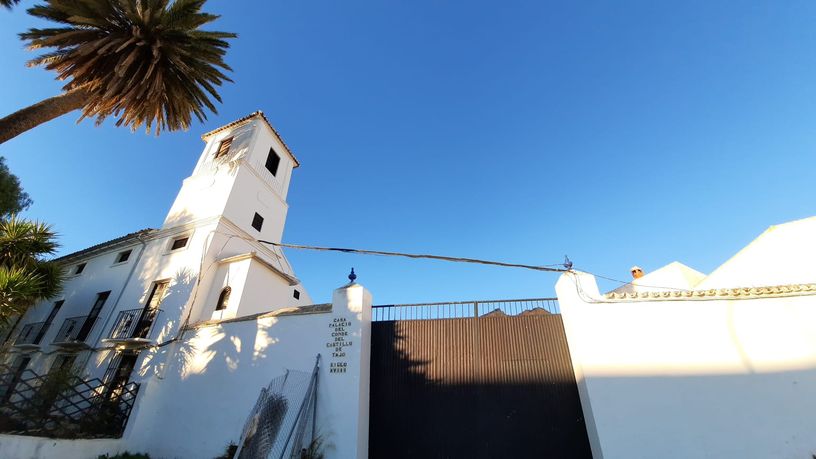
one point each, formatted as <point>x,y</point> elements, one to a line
<point>9,3</point>
<point>25,276</point>
<point>144,62</point>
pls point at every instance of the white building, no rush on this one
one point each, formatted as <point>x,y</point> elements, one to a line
<point>156,306</point>
<point>682,365</point>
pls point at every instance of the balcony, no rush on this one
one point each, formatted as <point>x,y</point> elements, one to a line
<point>133,329</point>
<point>29,337</point>
<point>73,332</point>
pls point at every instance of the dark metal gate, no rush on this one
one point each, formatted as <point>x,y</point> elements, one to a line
<point>473,380</point>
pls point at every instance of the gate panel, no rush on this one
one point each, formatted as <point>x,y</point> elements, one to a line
<point>489,387</point>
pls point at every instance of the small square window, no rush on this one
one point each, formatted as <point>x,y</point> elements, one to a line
<point>123,256</point>
<point>223,147</point>
<point>272,162</point>
<point>296,294</point>
<point>179,243</point>
<point>80,267</point>
<point>257,221</point>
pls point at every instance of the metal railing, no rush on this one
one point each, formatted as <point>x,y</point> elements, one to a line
<point>63,406</point>
<point>464,309</point>
<point>134,323</point>
<point>69,331</point>
<point>30,334</point>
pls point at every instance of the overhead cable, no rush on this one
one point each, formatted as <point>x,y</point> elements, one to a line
<point>547,268</point>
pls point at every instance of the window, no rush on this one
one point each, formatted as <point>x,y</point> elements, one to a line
<point>49,320</point>
<point>123,256</point>
<point>223,299</point>
<point>151,309</point>
<point>62,362</point>
<point>179,243</point>
<point>18,367</point>
<point>90,320</point>
<point>79,268</point>
<point>257,221</point>
<point>296,294</point>
<point>272,161</point>
<point>223,147</point>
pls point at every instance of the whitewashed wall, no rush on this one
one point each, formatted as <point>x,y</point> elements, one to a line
<point>716,378</point>
<point>196,396</point>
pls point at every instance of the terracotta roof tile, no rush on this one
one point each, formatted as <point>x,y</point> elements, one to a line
<point>103,245</point>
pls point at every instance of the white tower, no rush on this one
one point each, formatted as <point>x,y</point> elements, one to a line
<point>235,197</point>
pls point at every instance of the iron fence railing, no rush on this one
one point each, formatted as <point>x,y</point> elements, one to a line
<point>30,333</point>
<point>60,405</point>
<point>464,309</point>
<point>134,323</point>
<point>69,331</point>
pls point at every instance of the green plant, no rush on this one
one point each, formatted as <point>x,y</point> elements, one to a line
<point>125,455</point>
<point>229,452</point>
<point>12,197</point>
<point>25,276</point>
<point>314,450</point>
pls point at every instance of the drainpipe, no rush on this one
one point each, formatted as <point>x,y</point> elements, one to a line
<point>121,292</point>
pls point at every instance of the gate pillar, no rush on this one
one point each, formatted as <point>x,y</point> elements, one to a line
<point>345,371</point>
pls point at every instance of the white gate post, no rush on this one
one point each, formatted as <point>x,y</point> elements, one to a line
<point>345,371</point>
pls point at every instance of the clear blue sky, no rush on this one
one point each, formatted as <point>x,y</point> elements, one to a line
<point>619,133</point>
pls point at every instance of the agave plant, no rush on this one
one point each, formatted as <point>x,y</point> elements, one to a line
<point>145,62</point>
<point>25,276</point>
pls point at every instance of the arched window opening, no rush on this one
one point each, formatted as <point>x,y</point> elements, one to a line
<point>223,299</point>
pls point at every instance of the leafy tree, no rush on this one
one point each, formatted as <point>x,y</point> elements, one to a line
<point>12,197</point>
<point>144,62</point>
<point>25,275</point>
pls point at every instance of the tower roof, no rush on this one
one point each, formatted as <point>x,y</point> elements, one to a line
<point>259,115</point>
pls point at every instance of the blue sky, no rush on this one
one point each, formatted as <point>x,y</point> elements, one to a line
<point>619,133</point>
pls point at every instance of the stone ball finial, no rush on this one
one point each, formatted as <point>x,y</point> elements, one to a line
<point>352,277</point>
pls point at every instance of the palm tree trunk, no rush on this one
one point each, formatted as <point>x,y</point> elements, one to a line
<point>22,120</point>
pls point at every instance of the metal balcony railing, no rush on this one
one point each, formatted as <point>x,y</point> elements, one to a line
<point>30,333</point>
<point>134,323</point>
<point>69,332</point>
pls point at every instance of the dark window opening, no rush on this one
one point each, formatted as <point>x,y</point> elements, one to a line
<point>123,256</point>
<point>296,294</point>
<point>179,243</point>
<point>257,221</point>
<point>273,161</point>
<point>151,309</point>
<point>62,362</point>
<point>80,267</point>
<point>118,372</point>
<point>7,388</point>
<point>223,147</point>
<point>87,326</point>
<point>223,299</point>
<point>48,321</point>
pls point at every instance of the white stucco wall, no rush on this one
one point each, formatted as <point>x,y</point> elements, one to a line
<point>708,378</point>
<point>196,395</point>
<point>214,208</point>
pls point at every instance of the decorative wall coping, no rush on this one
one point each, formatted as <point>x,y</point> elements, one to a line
<point>721,293</point>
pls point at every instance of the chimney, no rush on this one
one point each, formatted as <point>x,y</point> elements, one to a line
<point>637,272</point>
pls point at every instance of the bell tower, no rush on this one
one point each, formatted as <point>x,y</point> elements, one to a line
<point>243,174</point>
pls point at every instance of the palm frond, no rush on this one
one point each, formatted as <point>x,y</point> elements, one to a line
<point>145,62</point>
<point>9,3</point>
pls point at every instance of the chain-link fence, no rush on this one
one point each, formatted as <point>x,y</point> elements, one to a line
<point>282,422</point>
